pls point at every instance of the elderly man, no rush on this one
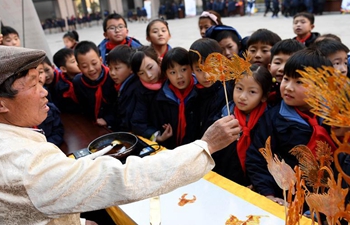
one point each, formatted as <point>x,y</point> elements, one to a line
<point>40,185</point>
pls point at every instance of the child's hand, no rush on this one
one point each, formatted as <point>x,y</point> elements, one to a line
<point>1,38</point>
<point>168,132</point>
<point>275,199</point>
<point>101,122</point>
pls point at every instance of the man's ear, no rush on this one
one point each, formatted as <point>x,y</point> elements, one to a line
<point>63,69</point>
<point>3,108</point>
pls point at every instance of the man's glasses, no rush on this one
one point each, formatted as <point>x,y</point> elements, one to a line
<point>116,28</point>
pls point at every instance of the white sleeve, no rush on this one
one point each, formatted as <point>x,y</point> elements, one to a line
<point>82,221</point>
<point>83,185</point>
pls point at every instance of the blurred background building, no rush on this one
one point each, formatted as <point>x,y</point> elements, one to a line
<point>54,9</point>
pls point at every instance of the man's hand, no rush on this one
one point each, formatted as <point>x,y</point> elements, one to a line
<point>90,222</point>
<point>222,133</point>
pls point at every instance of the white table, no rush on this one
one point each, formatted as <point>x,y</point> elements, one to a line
<point>213,206</point>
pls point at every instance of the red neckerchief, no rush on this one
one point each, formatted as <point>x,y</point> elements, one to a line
<point>117,87</point>
<point>199,86</point>
<point>181,95</point>
<point>56,75</point>
<point>319,133</point>
<point>98,93</point>
<point>303,39</point>
<point>166,50</point>
<point>110,46</point>
<point>70,92</point>
<point>244,141</point>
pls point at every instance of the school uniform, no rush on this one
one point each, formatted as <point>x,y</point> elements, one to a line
<point>162,56</point>
<point>210,102</point>
<point>96,97</point>
<point>275,96</point>
<point>142,120</point>
<point>287,129</point>
<point>230,161</point>
<point>52,126</point>
<point>105,46</point>
<point>63,95</point>
<point>124,106</point>
<point>51,87</point>
<point>167,111</point>
<point>310,39</point>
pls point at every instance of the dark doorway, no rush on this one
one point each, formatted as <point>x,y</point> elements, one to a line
<point>131,4</point>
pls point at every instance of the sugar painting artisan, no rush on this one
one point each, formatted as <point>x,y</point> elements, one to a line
<point>40,185</point>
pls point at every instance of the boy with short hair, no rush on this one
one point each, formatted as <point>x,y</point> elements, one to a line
<point>228,39</point>
<point>126,82</point>
<point>94,87</point>
<point>10,36</point>
<point>259,45</point>
<point>288,124</point>
<point>211,95</point>
<point>280,53</point>
<point>336,52</point>
<point>303,23</point>
<point>51,77</point>
<point>52,125</point>
<point>115,31</point>
<point>63,95</point>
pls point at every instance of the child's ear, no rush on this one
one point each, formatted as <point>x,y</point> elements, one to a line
<point>264,99</point>
<point>101,60</point>
<point>312,26</point>
<point>105,35</point>
<point>63,69</point>
<point>269,67</point>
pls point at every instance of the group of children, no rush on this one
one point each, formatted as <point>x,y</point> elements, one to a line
<point>161,93</point>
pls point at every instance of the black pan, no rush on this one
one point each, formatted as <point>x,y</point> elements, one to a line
<point>126,139</point>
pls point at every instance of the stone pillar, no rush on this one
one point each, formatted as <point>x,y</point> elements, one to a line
<point>155,8</point>
<point>138,3</point>
<point>66,9</point>
<point>116,5</point>
<point>22,16</point>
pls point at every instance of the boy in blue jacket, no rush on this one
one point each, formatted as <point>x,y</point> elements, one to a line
<point>125,83</point>
<point>94,88</point>
<point>52,126</point>
<point>115,30</point>
<point>289,124</point>
<point>63,94</point>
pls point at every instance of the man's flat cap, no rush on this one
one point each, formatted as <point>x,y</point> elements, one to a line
<point>14,60</point>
